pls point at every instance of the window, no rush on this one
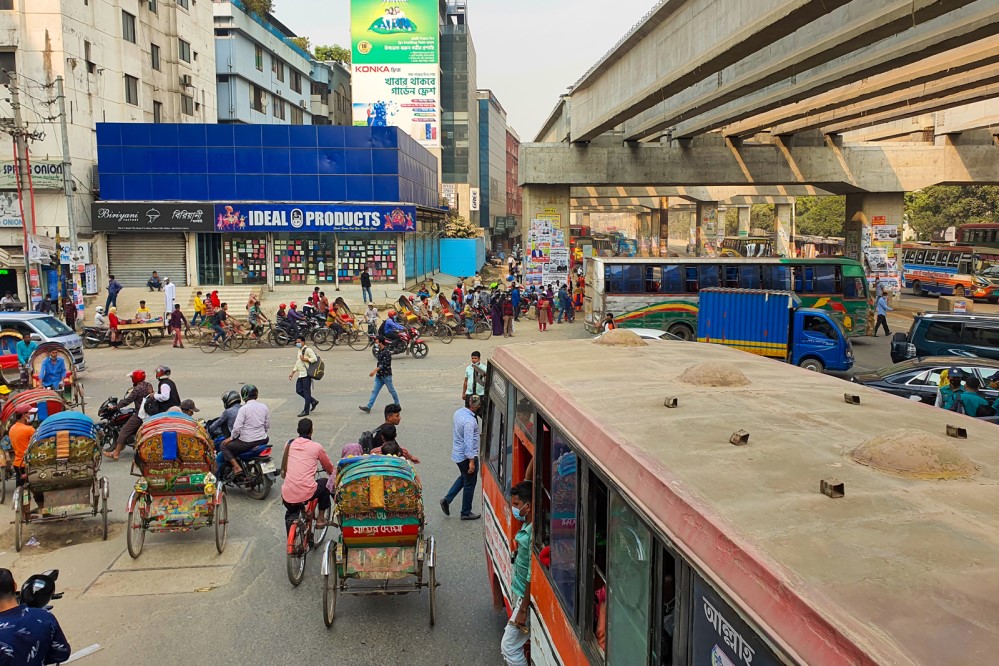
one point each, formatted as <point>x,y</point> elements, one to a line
<point>525,416</point>
<point>297,117</point>
<point>257,98</point>
<point>629,582</point>
<point>152,6</point>
<point>672,279</point>
<point>496,426</point>
<point>776,278</point>
<point>154,54</point>
<point>132,90</point>
<point>185,51</point>
<point>931,257</point>
<point>653,279</point>
<point>980,337</point>
<point>187,105</point>
<point>624,279</point>
<point>707,276</point>
<point>749,276</point>
<point>907,255</point>
<point>818,326</point>
<point>277,67</point>
<point>128,27</point>
<point>296,82</point>
<point>88,58</point>
<point>157,112</point>
<point>184,3</point>
<point>944,331</point>
<point>558,496</point>
<point>597,544</point>
<point>665,603</point>
<point>731,279</point>
<point>690,279</point>
<point>6,5</point>
<point>260,59</point>
<point>827,280</point>
<point>920,256</point>
<point>277,105</point>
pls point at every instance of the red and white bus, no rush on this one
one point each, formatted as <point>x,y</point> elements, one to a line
<point>695,533</point>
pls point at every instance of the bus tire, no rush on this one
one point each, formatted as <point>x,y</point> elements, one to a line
<point>813,364</point>
<point>917,288</point>
<point>682,331</point>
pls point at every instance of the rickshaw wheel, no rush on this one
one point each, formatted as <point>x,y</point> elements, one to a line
<point>483,331</point>
<point>297,552</point>
<point>432,584</point>
<point>322,339</point>
<point>221,523</point>
<point>239,343</point>
<point>357,341</point>
<point>319,533</point>
<point>3,483</point>
<point>329,586</point>
<point>104,507</point>
<point>135,536</point>
<point>18,520</point>
<point>444,333</point>
<point>135,339</point>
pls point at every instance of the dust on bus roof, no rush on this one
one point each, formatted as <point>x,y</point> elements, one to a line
<point>905,565</point>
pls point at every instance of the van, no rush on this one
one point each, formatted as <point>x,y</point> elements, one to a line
<point>45,328</point>
<point>948,334</point>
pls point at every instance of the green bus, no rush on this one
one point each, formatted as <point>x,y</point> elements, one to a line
<point>662,293</point>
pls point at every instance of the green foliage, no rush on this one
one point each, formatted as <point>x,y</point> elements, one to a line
<point>302,43</point>
<point>732,222</point>
<point>334,52</point>
<point>936,208</point>
<point>761,217</point>
<point>820,216</point>
<point>259,7</point>
<point>456,226</point>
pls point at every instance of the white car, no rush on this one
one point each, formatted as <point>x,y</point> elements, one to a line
<point>652,334</point>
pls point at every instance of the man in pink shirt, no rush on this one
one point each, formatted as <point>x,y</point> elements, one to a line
<point>302,457</point>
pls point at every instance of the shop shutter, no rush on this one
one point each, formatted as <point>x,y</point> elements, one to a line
<point>133,257</point>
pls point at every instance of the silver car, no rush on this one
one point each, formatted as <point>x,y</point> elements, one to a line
<point>45,328</point>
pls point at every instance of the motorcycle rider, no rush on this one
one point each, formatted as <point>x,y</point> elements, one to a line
<point>251,429</point>
<point>294,318</point>
<point>222,426</point>
<point>166,395</point>
<point>100,320</point>
<point>390,329</point>
<point>140,389</point>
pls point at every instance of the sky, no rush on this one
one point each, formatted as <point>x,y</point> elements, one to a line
<point>528,51</point>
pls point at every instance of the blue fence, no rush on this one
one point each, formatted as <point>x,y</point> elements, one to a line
<point>462,257</point>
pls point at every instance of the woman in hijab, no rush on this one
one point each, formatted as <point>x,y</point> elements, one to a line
<point>113,327</point>
<point>214,296</point>
<point>496,315</point>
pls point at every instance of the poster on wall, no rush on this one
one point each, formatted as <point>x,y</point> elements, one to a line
<point>90,279</point>
<point>557,268</point>
<point>10,210</point>
<point>395,66</point>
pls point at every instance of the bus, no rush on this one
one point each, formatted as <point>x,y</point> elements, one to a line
<point>951,270</point>
<point>747,246</point>
<point>767,521</point>
<point>983,234</point>
<point>660,292</point>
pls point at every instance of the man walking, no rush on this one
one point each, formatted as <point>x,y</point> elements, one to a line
<point>300,372</point>
<point>515,301</point>
<point>114,288</point>
<point>465,454</point>
<point>366,285</point>
<point>169,295</point>
<point>177,320</point>
<point>473,385</point>
<point>383,377</point>
<point>882,312</point>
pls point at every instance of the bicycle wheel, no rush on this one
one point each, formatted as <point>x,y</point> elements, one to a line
<point>206,344</point>
<point>319,533</point>
<point>483,331</point>
<point>239,343</point>
<point>323,339</point>
<point>193,334</point>
<point>359,342</point>
<point>297,548</point>
<point>444,333</point>
<point>330,585</point>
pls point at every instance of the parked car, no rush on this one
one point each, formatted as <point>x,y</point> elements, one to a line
<point>45,328</point>
<point>948,334</point>
<point>920,377</point>
<point>652,334</point>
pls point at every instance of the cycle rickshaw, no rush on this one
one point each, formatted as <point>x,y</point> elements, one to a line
<point>46,401</point>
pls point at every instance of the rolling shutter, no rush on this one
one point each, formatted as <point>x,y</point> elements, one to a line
<point>133,257</point>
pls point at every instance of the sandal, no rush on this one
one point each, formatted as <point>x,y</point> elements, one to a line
<point>110,455</point>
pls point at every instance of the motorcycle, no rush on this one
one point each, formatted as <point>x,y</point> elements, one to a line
<point>408,342</point>
<point>112,420</point>
<point>38,590</point>
<point>259,471</point>
<point>94,336</point>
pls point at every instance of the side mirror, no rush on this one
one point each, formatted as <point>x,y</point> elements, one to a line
<point>36,337</point>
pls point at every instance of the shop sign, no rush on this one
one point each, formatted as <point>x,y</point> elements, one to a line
<point>158,216</point>
<point>45,175</point>
<point>10,210</point>
<point>262,217</point>
<point>473,198</point>
<point>67,257</point>
<point>90,279</point>
<point>41,249</point>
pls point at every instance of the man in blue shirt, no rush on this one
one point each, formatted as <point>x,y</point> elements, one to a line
<point>515,301</point>
<point>53,371</point>
<point>28,636</point>
<point>25,348</point>
<point>465,454</point>
<point>882,312</point>
<point>390,328</point>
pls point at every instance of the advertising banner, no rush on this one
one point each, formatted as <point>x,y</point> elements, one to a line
<point>162,216</point>
<point>45,175</point>
<point>557,268</point>
<point>264,217</point>
<point>395,66</point>
<point>10,210</point>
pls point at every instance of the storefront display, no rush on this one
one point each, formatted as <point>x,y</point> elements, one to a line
<point>289,259</point>
<point>246,260</point>
<point>380,254</point>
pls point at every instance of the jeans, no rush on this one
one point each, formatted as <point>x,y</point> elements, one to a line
<point>512,643</point>
<point>379,383</point>
<point>466,484</point>
<point>303,387</point>
<point>197,318</point>
<point>228,452</point>
<point>558,320</point>
<point>882,321</point>
<point>366,294</point>
<point>112,301</point>
<point>219,333</point>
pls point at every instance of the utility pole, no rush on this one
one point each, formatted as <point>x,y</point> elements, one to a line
<point>67,181</point>
<point>21,164</point>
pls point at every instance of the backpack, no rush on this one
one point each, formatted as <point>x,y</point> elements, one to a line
<point>367,441</point>
<point>316,369</point>
<point>150,405</point>
<point>958,405</point>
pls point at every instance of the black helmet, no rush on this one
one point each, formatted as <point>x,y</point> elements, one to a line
<point>230,398</point>
<point>249,392</point>
<point>162,371</point>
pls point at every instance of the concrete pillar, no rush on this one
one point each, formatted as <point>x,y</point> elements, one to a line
<point>744,220</point>
<point>705,225</point>
<point>585,219</point>
<point>660,227</point>
<point>783,230</point>
<point>864,213</point>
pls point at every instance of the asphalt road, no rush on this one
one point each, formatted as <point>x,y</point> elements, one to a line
<point>180,602</point>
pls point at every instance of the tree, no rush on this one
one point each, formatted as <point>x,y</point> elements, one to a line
<point>761,218</point>
<point>455,224</point>
<point>334,52</point>
<point>259,7</point>
<point>820,216</point>
<point>302,43</point>
<point>941,206</point>
<point>732,222</point>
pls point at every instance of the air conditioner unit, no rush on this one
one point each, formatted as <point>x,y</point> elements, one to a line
<point>185,80</point>
<point>303,104</point>
<point>95,179</point>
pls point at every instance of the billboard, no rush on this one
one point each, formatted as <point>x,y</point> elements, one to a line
<point>395,66</point>
<point>264,217</point>
<point>157,216</point>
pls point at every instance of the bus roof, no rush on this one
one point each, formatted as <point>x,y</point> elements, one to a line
<point>898,571</point>
<point>838,261</point>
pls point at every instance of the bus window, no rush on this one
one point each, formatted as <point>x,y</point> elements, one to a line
<point>826,279</point>
<point>953,259</point>
<point>496,429</point>
<point>776,278</point>
<point>749,276</point>
<point>629,579</point>
<point>556,524</point>
<point>653,279</point>
<point>732,277</point>
<point>596,624</point>
<point>799,283</point>
<point>691,279</point>
<point>932,255</point>
<point>665,605</point>
<point>525,416</point>
<point>708,276</point>
<point>920,255</point>
<point>672,279</point>
<point>624,279</point>
<point>907,256</point>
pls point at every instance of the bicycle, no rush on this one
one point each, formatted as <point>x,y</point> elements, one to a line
<point>438,329</point>
<point>304,535</point>
<point>232,341</point>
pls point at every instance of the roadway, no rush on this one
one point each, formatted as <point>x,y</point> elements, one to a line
<point>182,603</point>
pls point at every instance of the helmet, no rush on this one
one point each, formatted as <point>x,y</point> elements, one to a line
<point>390,314</point>
<point>293,305</point>
<point>282,306</point>
<point>138,376</point>
<point>411,299</point>
<point>100,309</point>
<point>162,371</point>
<point>230,398</point>
<point>249,392</point>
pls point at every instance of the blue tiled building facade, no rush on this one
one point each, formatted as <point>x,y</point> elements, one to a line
<point>268,204</point>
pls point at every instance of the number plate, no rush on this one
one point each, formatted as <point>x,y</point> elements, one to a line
<point>268,468</point>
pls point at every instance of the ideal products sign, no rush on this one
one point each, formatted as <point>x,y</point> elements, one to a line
<point>386,32</point>
<point>314,217</point>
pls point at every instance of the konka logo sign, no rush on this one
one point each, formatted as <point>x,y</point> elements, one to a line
<point>373,69</point>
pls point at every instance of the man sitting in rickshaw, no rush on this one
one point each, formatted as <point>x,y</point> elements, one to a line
<point>25,348</point>
<point>53,371</point>
<point>20,436</point>
<point>302,457</point>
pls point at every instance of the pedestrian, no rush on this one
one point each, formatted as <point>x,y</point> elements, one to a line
<point>114,288</point>
<point>472,385</point>
<point>304,357</point>
<point>28,635</point>
<point>383,377</point>
<point>20,436</point>
<point>169,296</point>
<point>371,316</point>
<point>177,319</point>
<point>973,403</point>
<point>468,314</point>
<point>45,305</point>
<point>950,395</point>
<point>562,299</point>
<point>496,316</point>
<point>515,301</point>
<point>199,309</point>
<point>507,318</point>
<point>518,630</point>
<point>882,312</point>
<point>324,304</point>
<point>465,454</point>
<point>113,327</point>
<point>69,312</point>
<point>215,300</point>
<point>366,285</point>
<point>544,312</point>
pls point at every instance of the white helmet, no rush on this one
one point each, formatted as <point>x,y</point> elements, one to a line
<point>100,309</point>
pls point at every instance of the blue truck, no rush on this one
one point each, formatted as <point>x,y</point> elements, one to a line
<point>773,324</point>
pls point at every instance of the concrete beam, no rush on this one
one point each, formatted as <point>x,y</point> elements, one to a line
<point>724,194</point>
<point>842,31</point>
<point>970,57</point>
<point>680,43</point>
<point>892,167</point>
<point>978,20</point>
<point>909,110</point>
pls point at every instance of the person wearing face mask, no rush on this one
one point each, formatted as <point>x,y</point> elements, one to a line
<point>303,385</point>
<point>20,436</point>
<point>518,631</point>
